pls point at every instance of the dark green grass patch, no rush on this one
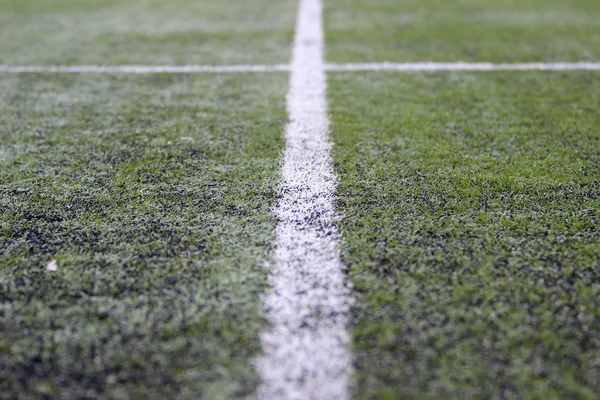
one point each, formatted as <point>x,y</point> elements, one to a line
<point>463,30</point>
<point>470,210</point>
<point>153,32</point>
<point>153,194</point>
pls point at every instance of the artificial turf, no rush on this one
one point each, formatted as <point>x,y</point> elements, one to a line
<point>462,30</point>
<point>147,32</point>
<point>153,195</point>
<point>470,205</point>
<point>470,201</point>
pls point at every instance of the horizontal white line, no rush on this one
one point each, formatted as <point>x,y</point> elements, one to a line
<point>408,67</point>
<point>144,69</point>
<point>462,66</point>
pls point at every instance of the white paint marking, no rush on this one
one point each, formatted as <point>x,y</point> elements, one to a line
<point>306,349</point>
<point>461,66</point>
<point>422,66</point>
<point>145,69</point>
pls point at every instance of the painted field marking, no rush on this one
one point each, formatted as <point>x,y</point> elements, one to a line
<point>306,349</point>
<point>461,66</point>
<point>143,69</point>
<point>407,67</point>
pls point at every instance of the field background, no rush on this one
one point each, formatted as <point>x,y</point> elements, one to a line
<point>469,201</point>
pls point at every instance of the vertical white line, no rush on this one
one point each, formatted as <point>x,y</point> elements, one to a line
<point>306,349</point>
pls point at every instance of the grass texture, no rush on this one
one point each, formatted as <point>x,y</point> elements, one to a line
<point>470,207</point>
<point>463,30</point>
<point>153,195</point>
<point>147,32</point>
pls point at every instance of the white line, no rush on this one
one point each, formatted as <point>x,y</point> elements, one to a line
<point>306,349</point>
<point>461,66</point>
<point>386,66</point>
<point>144,69</point>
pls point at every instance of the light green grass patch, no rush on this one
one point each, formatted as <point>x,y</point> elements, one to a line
<point>464,30</point>
<point>470,207</point>
<point>153,194</point>
<point>147,32</point>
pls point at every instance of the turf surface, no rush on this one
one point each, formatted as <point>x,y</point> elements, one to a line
<point>152,32</point>
<point>153,195</point>
<point>462,30</point>
<point>470,207</point>
<point>470,201</point>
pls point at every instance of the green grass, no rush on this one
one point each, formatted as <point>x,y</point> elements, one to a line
<point>153,194</point>
<point>462,30</point>
<point>153,32</point>
<point>470,206</point>
<point>469,201</point>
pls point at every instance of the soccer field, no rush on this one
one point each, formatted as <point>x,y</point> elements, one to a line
<point>300,199</point>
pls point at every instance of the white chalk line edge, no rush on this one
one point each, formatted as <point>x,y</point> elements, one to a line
<point>462,66</point>
<point>306,349</point>
<point>407,67</point>
<point>143,69</point>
